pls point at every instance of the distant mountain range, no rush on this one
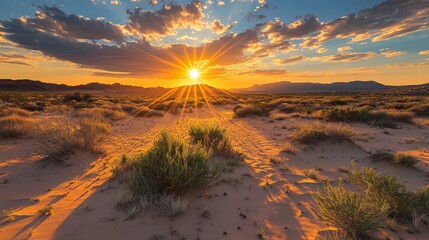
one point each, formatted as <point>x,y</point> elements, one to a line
<point>26,85</point>
<point>308,87</point>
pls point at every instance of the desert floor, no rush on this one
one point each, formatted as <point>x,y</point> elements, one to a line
<point>268,195</point>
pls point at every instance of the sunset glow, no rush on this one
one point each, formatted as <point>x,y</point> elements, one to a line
<point>194,74</point>
<point>237,43</point>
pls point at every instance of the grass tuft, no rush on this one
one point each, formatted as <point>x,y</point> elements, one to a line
<point>171,166</point>
<point>14,126</point>
<point>310,134</point>
<point>350,212</point>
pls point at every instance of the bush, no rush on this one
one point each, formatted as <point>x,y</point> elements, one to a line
<point>212,137</point>
<point>171,166</point>
<point>15,126</point>
<point>402,203</point>
<point>56,140</point>
<point>147,112</point>
<point>351,212</point>
<point>318,132</point>
<point>249,110</point>
<point>15,111</point>
<point>405,160</point>
<point>98,113</point>
<point>381,118</point>
<point>398,158</point>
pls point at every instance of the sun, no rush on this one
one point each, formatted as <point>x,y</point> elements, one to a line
<point>194,74</point>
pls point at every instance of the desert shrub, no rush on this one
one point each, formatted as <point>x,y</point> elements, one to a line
<point>420,109</point>
<point>402,203</point>
<point>211,136</point>
<point>398,116</point>
<point>288,108</point>
<point>337,102</point>
<point>397,158</point>
<point>99,113</point>
<point>147,112</point>
<point>15,111</point>
<point>15,126</point>
<point>171,166</point>
<point>77,97</point>
<point>249,110</point>
<point>380,118</point>
<point>405,160</point>
<point>128,108</point>
<point>318,132</point>
<point>351,212</point>
<point>56,140</point>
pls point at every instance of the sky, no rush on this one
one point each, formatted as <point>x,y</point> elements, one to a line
<point>223,43</point>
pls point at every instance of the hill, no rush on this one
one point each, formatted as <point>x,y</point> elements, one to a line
<point>308,87</point>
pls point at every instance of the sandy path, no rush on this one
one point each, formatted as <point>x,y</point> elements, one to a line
<point>261,197</point>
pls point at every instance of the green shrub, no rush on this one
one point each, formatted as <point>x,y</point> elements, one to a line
<point>351,212</point>
<point>241,111</point>
<point>381,118</point>
<point>397,158</point>
<point>212,137</point>
<point>405,160</point>
<point>15,126</point>
<point>402,203</point>
<point>171,166</point>
<point>318,132</point>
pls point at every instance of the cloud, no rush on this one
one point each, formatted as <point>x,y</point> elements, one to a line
<point>346,57</point>
<point>344,49</point>
<point>166,20</point>
<point>265,72</point>
<point>389,19</point>
<point>55,21</point>
<point>392,53</point>
<point>424,52</point>
<point>322,50</point>
<point>219,28</point>
<point>292,59</point>
<point>277,30</point>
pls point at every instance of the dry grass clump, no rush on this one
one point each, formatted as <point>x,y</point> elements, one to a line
<point>99,113</point>
<point>147,112</point>
<point>288,147</point>
<point>15,111</point>
<point>13,126</point>
<point>352,213</point>
<point>56,140</point>
<point>171,166</point>
<point>241,111</point>
<point>379,118</point>
<point>403,204</point>
<point>398,158</point>
<point>314,133</point>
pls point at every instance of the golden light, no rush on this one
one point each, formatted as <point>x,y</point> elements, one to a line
<point>194,74</point>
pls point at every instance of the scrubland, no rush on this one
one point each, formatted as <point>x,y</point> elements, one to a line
<point>307,166</point>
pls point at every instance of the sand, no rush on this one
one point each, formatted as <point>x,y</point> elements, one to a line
<point>268,195</point>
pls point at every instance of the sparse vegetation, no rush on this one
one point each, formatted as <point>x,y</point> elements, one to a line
<point>398,158</point>
<point>56,140</point>
<point>241,111</point>
<point>171,166</point>
<point>147,112</point>
<point>402,203</point>
<point>379,118</point>
<point>351,212</point>
<point>309,134</point>
<point>14,126</point>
